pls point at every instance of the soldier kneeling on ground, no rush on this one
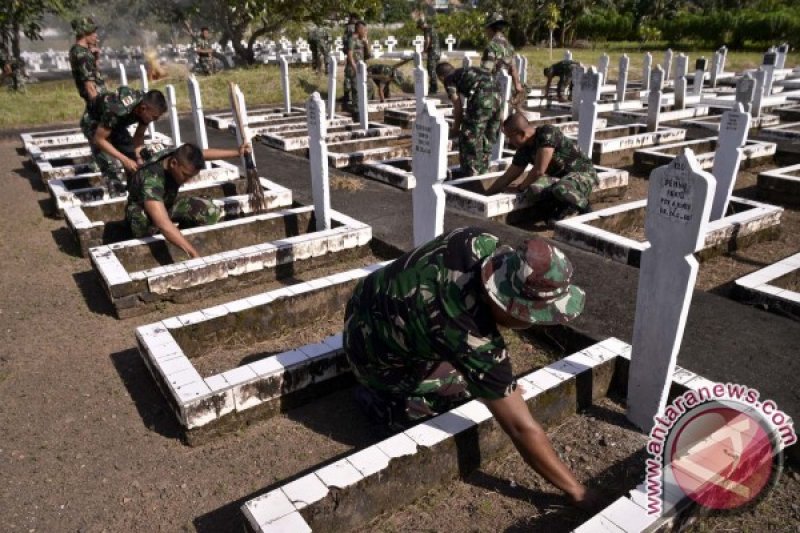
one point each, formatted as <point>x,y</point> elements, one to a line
<point>383,76</point>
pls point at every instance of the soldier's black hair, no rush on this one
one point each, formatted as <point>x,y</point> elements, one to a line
<point>353,16</point>
<point>190,154</point>
<point>156,100</point>
<point>204,28</point>
<point>444,69</point>
<point>516,122</point>
<point>360,23</point>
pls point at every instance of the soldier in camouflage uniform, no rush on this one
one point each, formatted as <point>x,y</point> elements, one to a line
<point>319,41</point>
<point>153,202</point>
<point>383,76</point>
<point>349,31</point>
<point>357,50</point>
<point>205,54</point>
<point>479,127</point>
<point>422,334</point>
<point>105,126</point>
<point>83,61</point>
<point>432,52</point>
<point>563,71</point>
<point>499,53</point>
<point>562,177</point>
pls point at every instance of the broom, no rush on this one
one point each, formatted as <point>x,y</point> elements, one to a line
<point>255,192</point>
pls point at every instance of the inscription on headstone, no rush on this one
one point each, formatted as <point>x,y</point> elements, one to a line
<point>733,130</point>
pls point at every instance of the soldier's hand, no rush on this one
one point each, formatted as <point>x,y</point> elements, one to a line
<point>245,148</point>
<point>130,165</point>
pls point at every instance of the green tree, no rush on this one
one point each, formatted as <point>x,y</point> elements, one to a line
<point>552,15</point>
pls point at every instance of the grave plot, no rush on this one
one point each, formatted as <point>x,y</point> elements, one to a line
<point>618,232</point>
<point>295,124</point>
<point>776,287</point>
<point>51,138</point>
<point>785,136</point>
<point>258,117</point>
<point>103,222</point>
<point>90,187</point>
<point>361,151</point>
<point>669,115</point>
<point>789,113</point>
<point>298,139</point>
<point>615,145</point>
<point>781,185</point>
<point>138,273</point>
<point>754,153</point>
<point>466,195</point>
<point>250,359</point>
<point>79,148</point>
<point>703,127</point>
<point>74,162</point>
<point>404,118</point>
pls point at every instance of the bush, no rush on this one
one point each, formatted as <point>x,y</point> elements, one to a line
<point>606,25</point>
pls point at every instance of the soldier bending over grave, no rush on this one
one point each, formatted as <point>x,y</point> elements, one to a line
<point>153,203</point>
<point>562,177</point>
<point>563,71</point>
<point>422,336</point>
<point>479,127</point>
<point>105,125</point>
<point>83,61</point>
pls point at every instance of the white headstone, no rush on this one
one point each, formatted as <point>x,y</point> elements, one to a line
<point>681,69</point>
<point>174,124</point>
<point>745,92</point>
<point>377,49</point>
<point>577,73</point>
<point>200,136</point>
<point>590,94</point>
<point>318,157</point>
<point>420,86</point>
<point>783,51</point>
<point>714,72</point>
<point>521,64</point>
<point>770,59</point>
<point>242,129</point>
<point>151,128</point>
<point>647,67</point>
<point>622,77</point>
<point>287,97</point>
<point>466,62</point>
<point>429,163</point>
<point>331,86</point>
<point>724,51</point>
<point>758,99</point>
<point>699,74</point>
<point>504,87</point>
<point>123,75</point>
<point>391,42</point>
<point>678,207</point>
<point>419,43</point>
<point>361,93</point>
<point>450,41</point>
<point>733,129</point>
<point>667,65</point>
<point>417,59</point>
<point>654,98</point>
<point>567,55</point>
<point>602,67</point>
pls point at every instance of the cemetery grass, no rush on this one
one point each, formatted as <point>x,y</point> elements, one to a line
<point>57,101</point>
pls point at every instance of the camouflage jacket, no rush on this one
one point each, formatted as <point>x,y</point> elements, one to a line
<point>383,72</point>
<point>426,307</point>
<point>498,54</point>
<point>434,50</point>
<point>567,157</point>
<point>468,81</point>
<point>563,68</point>
<point>320,36</point>
<point>359,48</point>
<point>114,110</point>
<point>84,68</point>
<point>349,31</point>
<point>199,42</point>
<point>153,182</point>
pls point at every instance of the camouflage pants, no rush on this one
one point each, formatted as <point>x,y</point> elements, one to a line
<point>564,82</point>
<point>349,85</point>
<point>573,189</point>
<point>319,57</point>
<point>187,212</point>
<point>433,85</point>
<point>441,390</point>
<point>109,166</point>
<point>480,128</point>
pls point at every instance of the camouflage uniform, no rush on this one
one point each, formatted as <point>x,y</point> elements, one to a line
<point>205,62</point>
<point>434,55</point>
<point>498,54</point>
<point>360,53</point>
<point>153,182</point>
<point>385,75</point>
<point>570,176</point>
<point>480,125</point>
<point>319,42</point>
<point>347,85</point>
<point>84,68</point>
<point>419,329</point>
<point>563,71</point>
<point>115,112</point>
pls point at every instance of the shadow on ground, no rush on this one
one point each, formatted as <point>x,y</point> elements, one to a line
<point>93,294</point>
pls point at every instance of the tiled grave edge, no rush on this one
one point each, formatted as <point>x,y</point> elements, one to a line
<point>755,288</point>
<point>285,141</point>
<point>781,185</point>
<point>578,232</point>
<point>222,120</point>
<point>349,492</point>
<point>752,154</point>
<point>198,402</point>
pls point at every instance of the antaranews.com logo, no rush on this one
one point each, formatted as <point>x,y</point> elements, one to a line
<point>719,446</point>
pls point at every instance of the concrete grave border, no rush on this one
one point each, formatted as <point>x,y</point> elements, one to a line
<point>753,153</point>
<point>786,136</point>
<point>762,221</point>
<point>702,127</point>
<point>619,150</point>
<point>755,288</point>
<point>780,185</point>
<point>223,120</point>
<point>51,138</point>
<point>285,141</point>
<point>80,148</point>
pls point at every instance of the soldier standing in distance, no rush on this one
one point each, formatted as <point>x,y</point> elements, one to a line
<point>357,50</point>
<point>83,61</point>
<point>422,336</point>
<point>349,30</point>
<point>499,53</point>
<point>432,52</point>
<point>201,42</point>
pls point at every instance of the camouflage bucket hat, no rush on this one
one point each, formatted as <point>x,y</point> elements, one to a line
<point>84,26</point>
<point>495,19</point>
<point>532,283</point>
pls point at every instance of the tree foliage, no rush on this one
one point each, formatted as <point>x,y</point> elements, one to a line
<point>26,17</point>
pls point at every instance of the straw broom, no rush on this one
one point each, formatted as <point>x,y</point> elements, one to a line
<point>255,192</point>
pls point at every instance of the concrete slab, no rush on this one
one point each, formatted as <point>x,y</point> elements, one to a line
<point>754,153</point>
<point>780,185</point>
<point>765,287</point>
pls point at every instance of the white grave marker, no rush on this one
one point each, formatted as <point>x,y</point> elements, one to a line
<point>745,92</point>
<point>361,93</point>
<point>504,87</point>
<point>733,129</point>
<point>567,55</point>
<point>331,86</point>
<point>420,86</point>
<point>654,98</point>
<point>602,68</point>
<point>242,129</point>
<point>647,67</point>
<point>450,42</point>
<point>318,157</point>
<point>419,43</point>
<point>577,73</point>
<point>699,74</point>
<point>724,51</point>
<point>770,58</point>
<point>466,62</point>
<point>429,164</point>
<point>123,75</point>
<point>760,77</point>
<point>681,69</point>
<point>287,97</point>
<point>417,59</point>
<point>678,207</point>
<point>590,94</point>
<point>151,128</point>
<point>714,72</point>
<point>783,51</point>
<point>172,107</point>
<point>622,77</point>
<point>667,64</point>
<point>521,64</point>
<point>391,42</point>
<point>200,136</point>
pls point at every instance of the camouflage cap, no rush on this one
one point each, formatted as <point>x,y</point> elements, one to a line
<point>532,283</point>
<point>495,19</point>
<point>84,26</point>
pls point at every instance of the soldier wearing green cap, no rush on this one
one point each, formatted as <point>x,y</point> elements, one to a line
<point>83,61</point>
<point>431,49</point>
<point>562,177</point>
<point>422,335</point>
<point>499,53</point>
